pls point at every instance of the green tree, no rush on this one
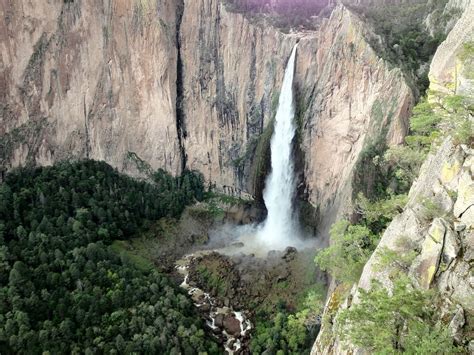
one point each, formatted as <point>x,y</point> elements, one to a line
<point>424,120</point>
<point>378,214</point>
<point>402,320</point>
<point>351,247</point>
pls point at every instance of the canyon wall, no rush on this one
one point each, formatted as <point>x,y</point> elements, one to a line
<point>445,243</point>
<point>189,84</point>
<point>348,99</point>
<point>232,72</point>
<point>93,79</point>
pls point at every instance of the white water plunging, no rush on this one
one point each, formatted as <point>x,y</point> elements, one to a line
<point>280,226</point>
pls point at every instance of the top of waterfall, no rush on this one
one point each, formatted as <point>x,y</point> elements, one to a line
<point>293,52</point>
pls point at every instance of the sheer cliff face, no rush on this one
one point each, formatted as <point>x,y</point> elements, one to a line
<point>349,98</point>
<point>88,79</point>
<point>448,74</point>
<point>232,71</point>
<point>169,83</point>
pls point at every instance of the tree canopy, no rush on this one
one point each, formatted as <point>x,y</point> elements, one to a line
<point>63,290</point>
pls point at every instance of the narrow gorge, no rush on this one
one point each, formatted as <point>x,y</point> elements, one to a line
<point>236,176</point>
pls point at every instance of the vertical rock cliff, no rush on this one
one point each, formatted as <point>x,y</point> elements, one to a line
<point>88,79</point>
<point>232,72</point>
<point>348,99</point>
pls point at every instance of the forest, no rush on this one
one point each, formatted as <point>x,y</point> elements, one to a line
<point>284,14</point>
<point>63,290</point>
<point>281,6</point>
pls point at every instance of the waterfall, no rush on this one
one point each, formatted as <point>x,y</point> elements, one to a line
<point>280,226</point>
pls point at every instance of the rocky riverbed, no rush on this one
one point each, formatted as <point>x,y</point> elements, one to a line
<point>230,326</point>
<point>230,290</point>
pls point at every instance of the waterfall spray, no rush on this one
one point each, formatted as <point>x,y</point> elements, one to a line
<point>280,226</point>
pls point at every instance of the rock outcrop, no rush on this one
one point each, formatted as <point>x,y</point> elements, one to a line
<point>445,243</point>
<point>448,71</point>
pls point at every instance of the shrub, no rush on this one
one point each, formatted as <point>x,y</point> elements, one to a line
<point>405,162</point>
<point>391,258</point>
<point>424,119</point>
<point>431,209</point>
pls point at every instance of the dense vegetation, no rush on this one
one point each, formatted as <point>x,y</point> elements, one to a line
<point>405,40</point>
<point>285,14</point>
<point>404,320</point>
<point>287,333</point>
<point>63,290</point>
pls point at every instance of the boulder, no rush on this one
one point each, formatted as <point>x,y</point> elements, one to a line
<point>442,198</point>
<point>468,246</point>
<point>290,253</point>
<point>459,227</point>
<point>458,284</point>
<point>219,320</point>
<point>205,307</point>
<point>451,246</point>
<point>232,325</point>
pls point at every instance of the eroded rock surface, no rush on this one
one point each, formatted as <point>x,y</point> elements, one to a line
<point>444,244</point>
<point>349,96</point>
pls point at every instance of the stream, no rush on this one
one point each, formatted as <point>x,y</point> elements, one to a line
<point>231,326</point>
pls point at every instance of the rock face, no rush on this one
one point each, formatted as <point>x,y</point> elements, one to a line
<point>88,79</point>
<point>171,84</point>
<point>348,95</point>
<point>232,71</point>
<point>448,72</point>
<point>444,244</point>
